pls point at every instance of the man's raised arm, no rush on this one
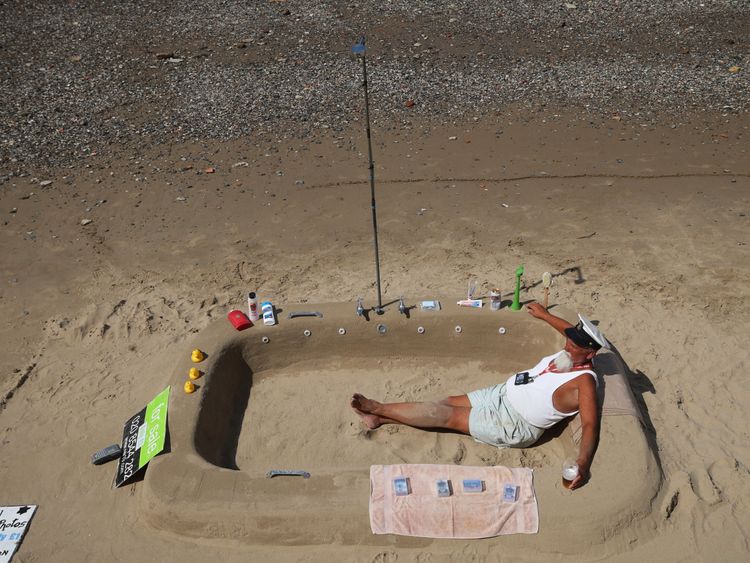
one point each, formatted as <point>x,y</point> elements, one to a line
<point>537,310</point>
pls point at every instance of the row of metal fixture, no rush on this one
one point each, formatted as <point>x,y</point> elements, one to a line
<point>382,329</point>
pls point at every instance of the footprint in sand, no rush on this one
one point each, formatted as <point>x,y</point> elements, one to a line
<point>460,453</point>
<point>704,487</point>
<point>385,557</point>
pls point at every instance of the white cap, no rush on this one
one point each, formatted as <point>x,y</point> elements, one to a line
<point>593,331</point>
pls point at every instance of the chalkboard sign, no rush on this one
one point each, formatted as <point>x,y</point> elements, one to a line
<point>143,437</point>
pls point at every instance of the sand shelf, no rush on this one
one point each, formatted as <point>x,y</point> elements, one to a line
<point>283,404</point>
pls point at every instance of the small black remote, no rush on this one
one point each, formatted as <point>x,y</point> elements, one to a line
<point>107,454</point>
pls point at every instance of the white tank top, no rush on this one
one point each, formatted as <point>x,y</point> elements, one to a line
<point>533,401</point>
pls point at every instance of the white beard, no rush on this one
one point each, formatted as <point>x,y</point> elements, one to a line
<point>564,362</point>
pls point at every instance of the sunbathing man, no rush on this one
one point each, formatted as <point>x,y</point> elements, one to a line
<point>516,413</point>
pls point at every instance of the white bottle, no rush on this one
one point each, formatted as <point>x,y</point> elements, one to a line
<point>252,306</point>
<point>269,318</point>
<point>495,299</point>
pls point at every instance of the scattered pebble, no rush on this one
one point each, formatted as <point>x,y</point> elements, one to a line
<point>180,198</point>
<point>85,222</point>
<point>45,183</point>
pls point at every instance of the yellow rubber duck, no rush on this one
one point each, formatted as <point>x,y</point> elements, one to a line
<point>189,387</point>
<point>197,356</point>
<point>195,373</point>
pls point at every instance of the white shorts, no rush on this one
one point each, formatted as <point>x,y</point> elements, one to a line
<point>494,421</point>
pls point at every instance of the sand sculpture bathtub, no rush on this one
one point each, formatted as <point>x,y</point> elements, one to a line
<point>283,404</point>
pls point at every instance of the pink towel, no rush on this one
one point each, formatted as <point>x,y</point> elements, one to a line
<point>462,515</point>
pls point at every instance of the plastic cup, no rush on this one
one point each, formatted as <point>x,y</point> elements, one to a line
<point>569,472</point>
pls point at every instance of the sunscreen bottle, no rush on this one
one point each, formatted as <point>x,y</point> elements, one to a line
<point>252,306</point>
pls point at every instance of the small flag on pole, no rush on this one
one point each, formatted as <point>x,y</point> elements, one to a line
<point>359,46</point>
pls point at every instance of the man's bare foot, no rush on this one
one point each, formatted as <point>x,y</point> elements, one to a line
<point>362,406</point>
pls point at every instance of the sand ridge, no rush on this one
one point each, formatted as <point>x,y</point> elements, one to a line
<point>258,407</point>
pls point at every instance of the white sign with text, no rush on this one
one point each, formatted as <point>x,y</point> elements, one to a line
<point>14,521</point>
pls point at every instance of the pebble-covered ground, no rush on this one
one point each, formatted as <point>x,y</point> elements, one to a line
<point>81,76</point>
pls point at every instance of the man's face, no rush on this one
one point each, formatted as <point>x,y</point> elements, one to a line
<point>577,354</point>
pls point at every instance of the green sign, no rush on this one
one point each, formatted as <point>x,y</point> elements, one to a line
<point>156,427</point>
<point>143,437</point>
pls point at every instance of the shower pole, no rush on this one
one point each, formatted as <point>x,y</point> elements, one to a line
<point>359,50</point>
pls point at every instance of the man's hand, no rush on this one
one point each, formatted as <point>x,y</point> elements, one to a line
<point>583,474</point>
<point>537,310</point>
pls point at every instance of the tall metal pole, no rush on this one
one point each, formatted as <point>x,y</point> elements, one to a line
<point>359,49</point>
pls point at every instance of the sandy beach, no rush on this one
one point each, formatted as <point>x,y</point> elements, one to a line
<point>123,243</point>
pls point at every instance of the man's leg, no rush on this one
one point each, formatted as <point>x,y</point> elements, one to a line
<point>451,413</point>
<point>457,401</point>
